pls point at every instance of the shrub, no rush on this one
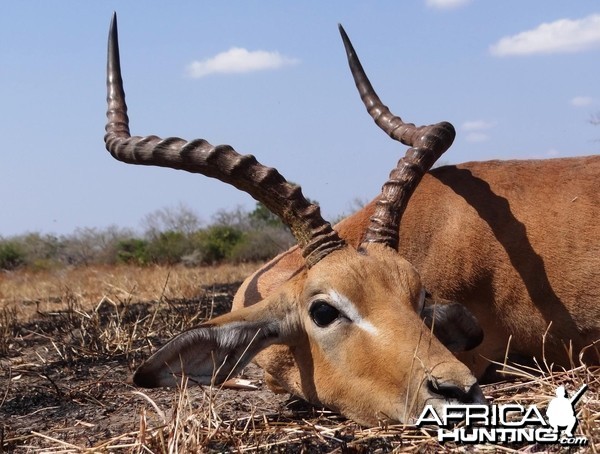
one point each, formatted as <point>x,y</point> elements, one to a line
<point>216,243</point>
<point>92,245</point>
<point>260,245</point>
<point>172,236</point>
<point>133,251</point>
<point>167,248</point>
<point>12,255</point>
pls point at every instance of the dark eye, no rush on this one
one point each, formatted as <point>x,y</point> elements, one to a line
<point>323,313</point>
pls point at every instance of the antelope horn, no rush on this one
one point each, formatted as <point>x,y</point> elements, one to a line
<point>427,144</point>
<point>315,236</point>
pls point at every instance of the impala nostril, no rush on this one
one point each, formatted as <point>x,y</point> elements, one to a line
<point>446,390</point>
<point>475,396</point>
<point>450,391</point>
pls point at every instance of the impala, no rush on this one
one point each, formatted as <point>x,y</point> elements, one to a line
<point>402,304</point>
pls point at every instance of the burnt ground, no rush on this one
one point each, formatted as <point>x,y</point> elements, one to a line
<point>65,387</point>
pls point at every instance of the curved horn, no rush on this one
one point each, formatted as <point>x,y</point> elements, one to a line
<point>428,144</point>
<point>315,236</point>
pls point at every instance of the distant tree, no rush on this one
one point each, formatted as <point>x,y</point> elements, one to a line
<point>216,243</point>
<point>262,244</point>
<point>87,245</point>
<point>168,247</point>
<point>238,218</point>
<point>41,251</point>
<point>180,219</point>
<point>261,216</point>
<point>81,246</point>
<point>133,251</point>
<point>12,255</point>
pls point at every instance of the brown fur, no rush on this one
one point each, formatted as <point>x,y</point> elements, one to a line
<point>366,377</point>
<point>516,242</point>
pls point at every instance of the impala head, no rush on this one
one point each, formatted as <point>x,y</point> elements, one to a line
<point>355,321</point>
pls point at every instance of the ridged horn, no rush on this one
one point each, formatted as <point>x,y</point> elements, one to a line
<point>427,144</point>
<point>315,236</point>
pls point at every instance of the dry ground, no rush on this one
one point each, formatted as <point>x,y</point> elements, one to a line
<point>69,340</point>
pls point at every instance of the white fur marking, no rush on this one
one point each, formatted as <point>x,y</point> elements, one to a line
<point>349,309</point>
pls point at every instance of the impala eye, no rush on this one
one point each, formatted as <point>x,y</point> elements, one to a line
<point>323,313</point>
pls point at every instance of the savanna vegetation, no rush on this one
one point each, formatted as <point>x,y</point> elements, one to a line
<point>79,313</point>
<point>170,236</point>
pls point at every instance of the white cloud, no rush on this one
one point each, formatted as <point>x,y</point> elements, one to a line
<point>446,4</point>
<point>478,125</point>
<point>475,130</point>
<point>238,60</point>
<point>581,101</point>
<point>561,36</point>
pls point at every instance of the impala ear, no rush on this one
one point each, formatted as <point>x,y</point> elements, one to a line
<point>217,350</point>
<point>453,324</point>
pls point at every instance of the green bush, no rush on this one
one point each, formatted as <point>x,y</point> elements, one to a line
<point>12,255</point>
<point>133,251</point>
<point>216,243</point>
<point>167,248</point>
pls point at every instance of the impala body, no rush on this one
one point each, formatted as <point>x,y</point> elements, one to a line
<point>516,242</point>
<point>404,303</point>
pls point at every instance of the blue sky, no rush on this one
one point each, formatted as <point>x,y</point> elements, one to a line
<point>518,79</point>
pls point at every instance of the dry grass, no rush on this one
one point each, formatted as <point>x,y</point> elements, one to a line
<point>30,292</point>
<point>69,340</point>
<point>194,425</point>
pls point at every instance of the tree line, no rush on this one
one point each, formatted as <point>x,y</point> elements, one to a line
<point>169,236</point>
